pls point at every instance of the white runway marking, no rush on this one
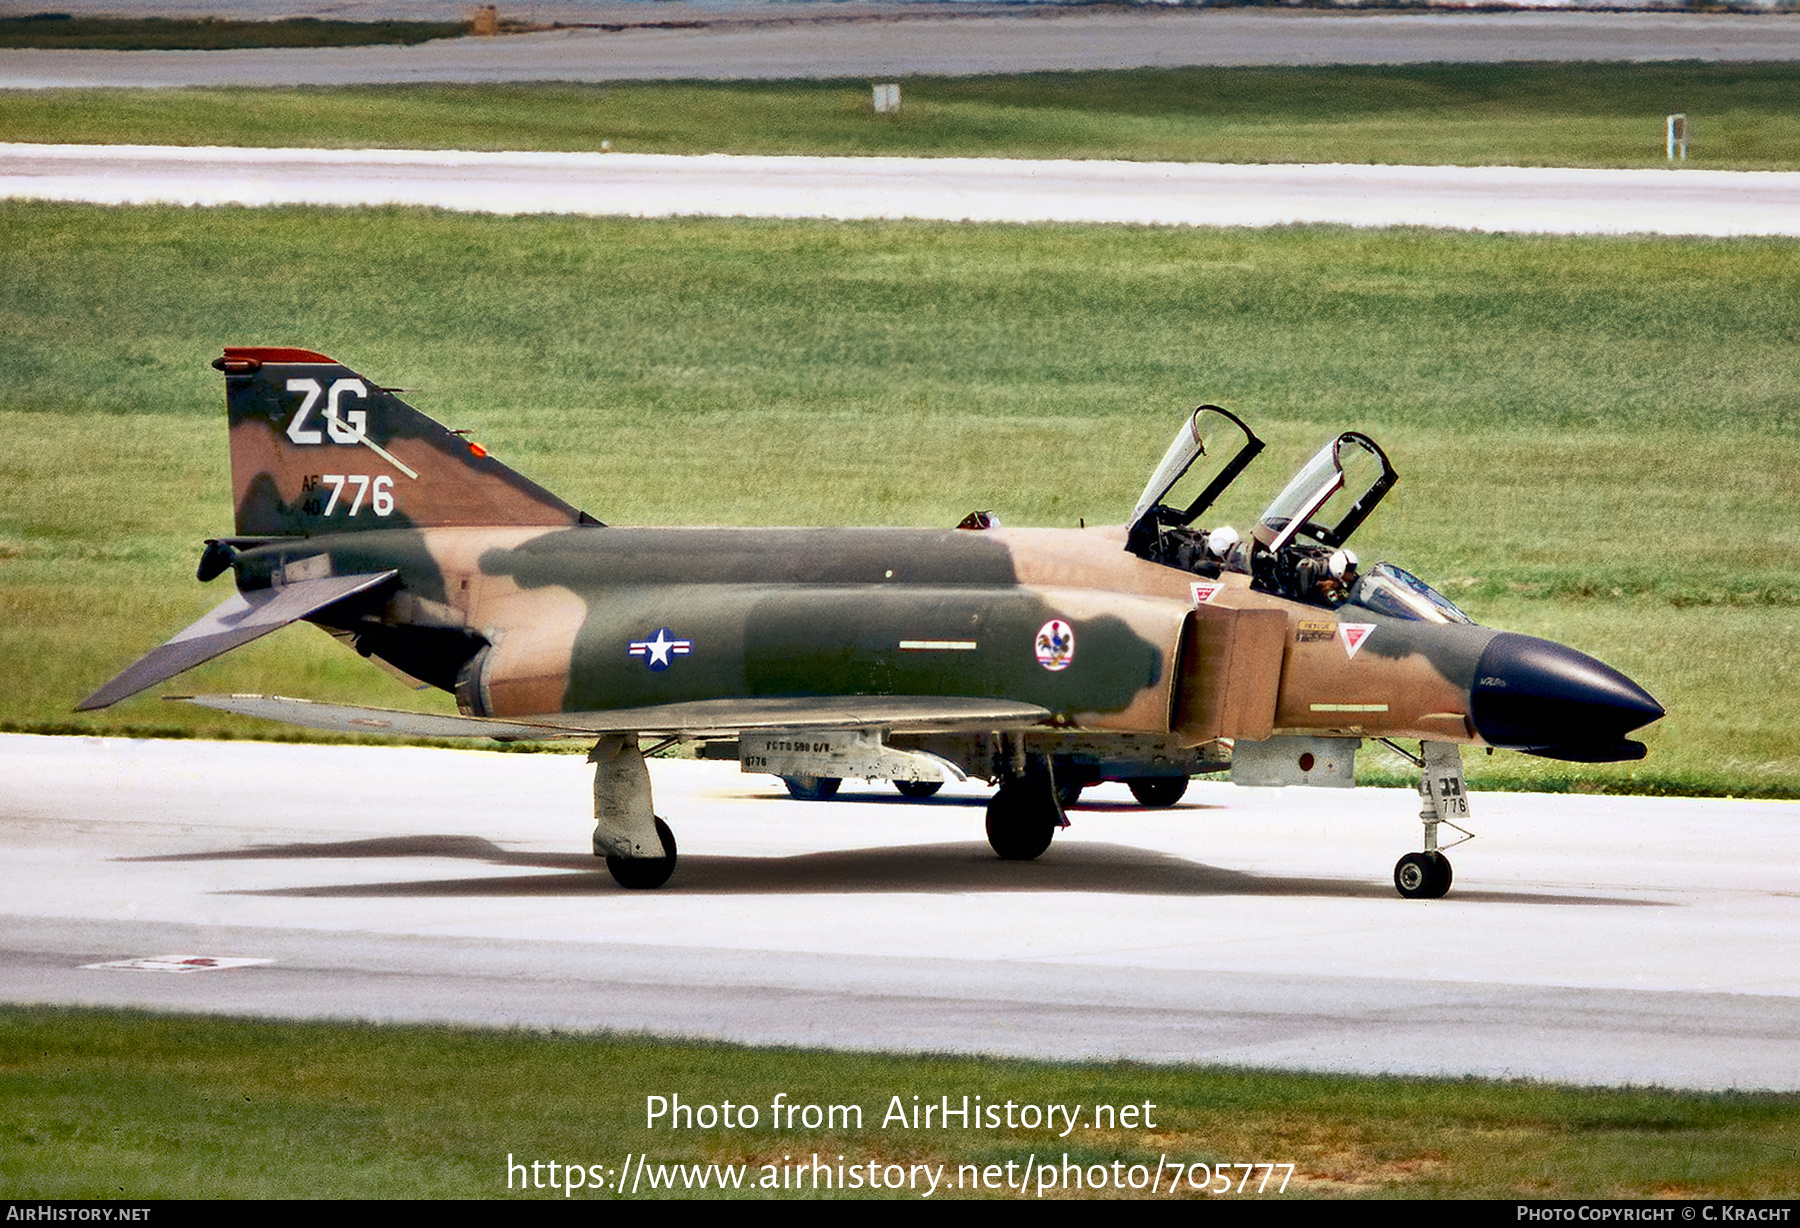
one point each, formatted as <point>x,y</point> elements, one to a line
<point>1587,939</point>
<point>177,963</point>
<point>1557,201</point>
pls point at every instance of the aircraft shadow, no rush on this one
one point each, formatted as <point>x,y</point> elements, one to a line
<point>923,869</point>
<point>472,848</point>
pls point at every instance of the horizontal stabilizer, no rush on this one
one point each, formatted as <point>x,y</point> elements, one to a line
<point>913,713</point>
<point>243,618</point>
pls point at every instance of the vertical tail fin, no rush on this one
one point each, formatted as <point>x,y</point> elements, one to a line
<point>316,448</point>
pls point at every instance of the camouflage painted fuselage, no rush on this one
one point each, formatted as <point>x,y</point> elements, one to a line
<point>560,614</point>
<point>530,622</point>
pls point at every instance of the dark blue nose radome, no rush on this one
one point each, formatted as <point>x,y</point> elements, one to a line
<point>1542,698</point>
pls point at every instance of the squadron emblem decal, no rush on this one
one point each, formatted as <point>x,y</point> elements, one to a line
<point>1055,645</point>
<point>660,650</point>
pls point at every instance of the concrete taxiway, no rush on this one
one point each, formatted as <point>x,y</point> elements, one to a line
<point>1592,940</point>
<point>1494,198</point>
<point>805,41</point>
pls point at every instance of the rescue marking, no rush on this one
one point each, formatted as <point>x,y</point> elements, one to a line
<point>1314,631</point>
<point>1348,707</point>
<point>938,645</point>
<point>178,963</point>
<point>1055,645</point>
<point>1353,635</point>
<point>1205,590</point>
<point>660,649</point>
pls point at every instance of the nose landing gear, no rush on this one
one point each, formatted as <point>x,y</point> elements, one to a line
<point>1426,875</point>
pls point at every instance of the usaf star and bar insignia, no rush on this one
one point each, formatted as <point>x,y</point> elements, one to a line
<point>661,649</point>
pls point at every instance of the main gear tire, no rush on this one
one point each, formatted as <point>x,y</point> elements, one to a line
<point>645,873</point>
<point>1021,819</point>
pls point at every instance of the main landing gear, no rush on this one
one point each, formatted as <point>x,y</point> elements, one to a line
<point>1426,875</point>
<point>1025,812</point>
<point>638,847</point>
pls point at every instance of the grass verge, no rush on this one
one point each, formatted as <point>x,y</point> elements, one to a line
<point>98,1104</point>
<point>1742,116</point>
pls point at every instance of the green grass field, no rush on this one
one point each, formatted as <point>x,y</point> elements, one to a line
<point>1595,436</point>
<point>107,1105</point>
<point>1743,116</point>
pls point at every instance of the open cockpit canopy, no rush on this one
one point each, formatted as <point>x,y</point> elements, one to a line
<point>1296,549</point>
<point>1212,447</point>
<point>1330,497</point>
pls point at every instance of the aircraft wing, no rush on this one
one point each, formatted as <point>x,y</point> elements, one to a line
<point>238,621</point>
<point>912,713</point>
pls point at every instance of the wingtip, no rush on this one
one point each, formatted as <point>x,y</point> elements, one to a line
<point>109,695</point>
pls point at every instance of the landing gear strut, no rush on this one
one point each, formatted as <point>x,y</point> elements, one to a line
<point>1426,875</point>
<point>638,847</point>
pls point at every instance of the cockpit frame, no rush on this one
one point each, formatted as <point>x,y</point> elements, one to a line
<point>1296,549</point>
<point>1324,479</point>
<point>1231,440</point>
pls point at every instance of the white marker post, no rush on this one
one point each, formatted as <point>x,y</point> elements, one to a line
<point>1675,134</point>
<point>887,99</point>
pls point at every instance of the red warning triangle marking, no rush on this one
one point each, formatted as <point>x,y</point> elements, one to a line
<point>1353,635</point>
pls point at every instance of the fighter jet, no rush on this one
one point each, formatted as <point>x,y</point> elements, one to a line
<point>1039,660</point>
